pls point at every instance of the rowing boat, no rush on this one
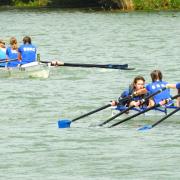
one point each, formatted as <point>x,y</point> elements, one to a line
<point>30,70</point>
<point>153,114</point>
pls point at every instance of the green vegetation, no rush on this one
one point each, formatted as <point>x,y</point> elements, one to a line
<point>156,4</point>
<point>29,3</point>
<point>107,4</point>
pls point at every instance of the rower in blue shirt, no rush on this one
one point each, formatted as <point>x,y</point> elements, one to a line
<point>136,89</point>
<point>157,84</point>
<point>12,53</point>
<point>27,51</point>
<point>2,52</point>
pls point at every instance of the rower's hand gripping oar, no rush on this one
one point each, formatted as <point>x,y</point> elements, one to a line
<point>107,66</point>
<point>147,127</point>
<point>120,113</point>
<point>65,123</point>
<point>143,101</point>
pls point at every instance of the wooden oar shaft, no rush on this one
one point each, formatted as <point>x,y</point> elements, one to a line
<point>92,112</point>
<point>170,114</point>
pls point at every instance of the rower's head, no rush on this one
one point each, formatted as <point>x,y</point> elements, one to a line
<point>27,40</point>
<point>2,44</point>
<point>156,75</point>
<point>13,43</point>
<point>138,83</point>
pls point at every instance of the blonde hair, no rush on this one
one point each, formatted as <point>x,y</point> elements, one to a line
<point>13,43</point>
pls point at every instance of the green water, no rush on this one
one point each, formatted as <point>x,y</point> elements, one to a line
<point>32,147</point>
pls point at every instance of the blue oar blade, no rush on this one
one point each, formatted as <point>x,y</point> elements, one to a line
<point>144,128</point>
<point>64,123</point>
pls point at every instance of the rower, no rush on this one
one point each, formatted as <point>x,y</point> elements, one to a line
<point>137,90</point>
<point>2,52</point>
<point>12,53</point>
<point>27,51</point>
<point>157,84</point>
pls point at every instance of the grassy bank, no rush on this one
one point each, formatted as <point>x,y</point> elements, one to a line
<point>107,4</point>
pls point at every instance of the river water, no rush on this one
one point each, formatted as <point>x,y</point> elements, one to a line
<point>32,146</point>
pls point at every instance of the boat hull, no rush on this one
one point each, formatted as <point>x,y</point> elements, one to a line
<point>31,70</point>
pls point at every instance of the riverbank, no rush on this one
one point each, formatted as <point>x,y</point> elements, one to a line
<point>123,5</point>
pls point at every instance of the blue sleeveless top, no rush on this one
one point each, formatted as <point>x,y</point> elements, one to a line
<point>28,53</point>
<point>2,56</point>
<point>12,54</point>
<point>154,87</point>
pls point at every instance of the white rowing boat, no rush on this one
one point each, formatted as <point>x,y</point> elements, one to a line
<point>153,114</point>
<point>30,70</point>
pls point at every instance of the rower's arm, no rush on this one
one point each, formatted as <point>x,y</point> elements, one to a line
<point>19,56</point>
<point>171,86</point>
<point>140,92</point>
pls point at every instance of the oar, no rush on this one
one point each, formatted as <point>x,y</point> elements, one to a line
<point>147,127</point>
<point>107,66</point>
<point>65,123</point>
<point>7,60</point>
<point>141,102</point>
<point>142,112</point>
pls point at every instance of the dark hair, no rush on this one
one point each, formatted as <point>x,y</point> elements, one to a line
<point>156,75</point>
<point>131,90</point>
<point>27,39</point>
<point>137,78</point>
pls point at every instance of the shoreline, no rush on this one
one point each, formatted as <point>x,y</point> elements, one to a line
<point>86,9</point>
